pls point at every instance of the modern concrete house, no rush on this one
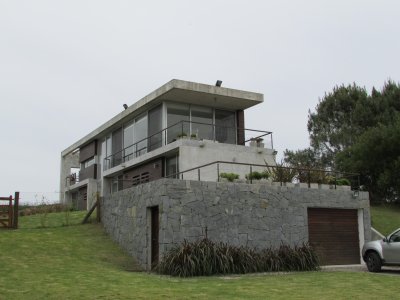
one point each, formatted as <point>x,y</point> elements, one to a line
<point>179,126</point>
<point>156,168</point>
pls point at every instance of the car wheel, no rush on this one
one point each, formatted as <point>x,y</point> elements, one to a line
<point>374,263</point>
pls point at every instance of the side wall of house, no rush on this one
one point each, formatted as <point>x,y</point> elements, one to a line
<point>257,215</point>
<point>69,161</point>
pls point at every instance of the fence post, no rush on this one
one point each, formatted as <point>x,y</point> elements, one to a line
<point>218,172</point>
<point>272,142</point>
<point>309,178</point>
<point>98,217</point>
<point>198,173</point>
<point>10,212</point>
<point>16,204</point>
<point>251,175</point>
<point>335,180</point>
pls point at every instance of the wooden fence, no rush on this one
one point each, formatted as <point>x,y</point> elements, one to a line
<point>9,211</point>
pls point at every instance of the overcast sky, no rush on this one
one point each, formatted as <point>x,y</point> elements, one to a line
<point>66,67</point>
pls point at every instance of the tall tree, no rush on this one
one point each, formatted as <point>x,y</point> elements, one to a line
<point>353,131</point>
<point>336,121</point>
<point>376,156</point>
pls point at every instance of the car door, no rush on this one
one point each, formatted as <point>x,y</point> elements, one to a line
<point>391,248</point>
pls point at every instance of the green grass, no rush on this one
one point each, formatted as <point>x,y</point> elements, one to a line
<point>385,218</point>
<point>80,262</point>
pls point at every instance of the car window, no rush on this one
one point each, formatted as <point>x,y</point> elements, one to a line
<point>395,237</point>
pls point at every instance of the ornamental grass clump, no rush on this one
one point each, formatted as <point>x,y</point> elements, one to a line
<point>205,258</point>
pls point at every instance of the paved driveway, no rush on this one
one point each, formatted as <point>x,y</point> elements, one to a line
<point>361,268</point>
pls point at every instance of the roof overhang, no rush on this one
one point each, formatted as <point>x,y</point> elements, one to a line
<point>178,91</point>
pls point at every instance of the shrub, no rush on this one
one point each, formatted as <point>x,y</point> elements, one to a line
<point>265,174</point>
<point>282,173</point>
<point>181,135</point>
<point>230,176</point>
<point>254,176</point>
<point>205,258</point>
<point>343,181</point>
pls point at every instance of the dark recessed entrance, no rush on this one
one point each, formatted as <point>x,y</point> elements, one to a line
<point>155,227</point>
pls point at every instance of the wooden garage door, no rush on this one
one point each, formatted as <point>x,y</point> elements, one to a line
<point>334,235</point>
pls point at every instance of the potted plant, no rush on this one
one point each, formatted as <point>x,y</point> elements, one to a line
<point>182,135</point>
<point>229,176</point>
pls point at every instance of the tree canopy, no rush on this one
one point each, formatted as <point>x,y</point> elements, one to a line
<point>354,131</point>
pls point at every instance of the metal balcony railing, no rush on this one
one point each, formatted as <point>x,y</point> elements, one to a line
<point>71,179</point>
<point>279,174</point>
<point>190,130</point>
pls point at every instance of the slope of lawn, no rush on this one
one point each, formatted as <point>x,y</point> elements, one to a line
<point>80,262</point>
<point>385,218</point>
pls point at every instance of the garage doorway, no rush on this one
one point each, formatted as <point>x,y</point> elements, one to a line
<point>334,235</point>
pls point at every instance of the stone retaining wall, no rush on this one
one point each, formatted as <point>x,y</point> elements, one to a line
<point>255,215</point>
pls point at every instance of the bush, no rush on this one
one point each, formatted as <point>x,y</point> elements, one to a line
<point>230,176</point>
<point>343,181</point>
<point>282,173</point>
<point>254,176</point>
<point>205,258</point>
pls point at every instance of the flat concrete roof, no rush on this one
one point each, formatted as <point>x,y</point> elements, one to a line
<point>178,91</point>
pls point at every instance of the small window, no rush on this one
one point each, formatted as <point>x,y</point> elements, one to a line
<point>172,166</point>
<point>88,163</point>
<point>395,238</point>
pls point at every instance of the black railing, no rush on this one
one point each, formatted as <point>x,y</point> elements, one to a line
<point>191,130</point>
<point>280,174</point>
<point>121,184</point>
<point>72,179</point>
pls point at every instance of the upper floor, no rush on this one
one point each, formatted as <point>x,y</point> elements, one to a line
<point>177,110</point>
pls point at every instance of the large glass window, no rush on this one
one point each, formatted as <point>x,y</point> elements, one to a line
<point>116,140</point>
<point>155,127</point>
<point>175,114</point>
<point>140,135</point>
<point>106,152</point>
<point>128,141</point>
<point>225,131</point>
<point>202,120</point>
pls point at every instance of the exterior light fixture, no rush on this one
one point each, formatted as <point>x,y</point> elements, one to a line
<point>218,83</point>
<point>356,193</point>
<point>125,106</point>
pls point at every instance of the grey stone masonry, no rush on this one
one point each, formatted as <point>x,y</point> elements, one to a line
<point>255,215</point>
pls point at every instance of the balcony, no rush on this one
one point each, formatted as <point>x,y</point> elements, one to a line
<point>194,131</point>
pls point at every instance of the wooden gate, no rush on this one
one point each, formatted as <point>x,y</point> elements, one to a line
<point>9,211</point>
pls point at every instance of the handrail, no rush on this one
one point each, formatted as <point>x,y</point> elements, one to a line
<point>71,179</point>
<point>164,131</point>
<point>308,170</point>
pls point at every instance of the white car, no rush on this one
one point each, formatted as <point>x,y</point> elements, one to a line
<point>385,252</point>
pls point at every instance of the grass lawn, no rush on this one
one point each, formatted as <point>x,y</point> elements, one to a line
<point>80,262</point>
<point>385,218</point>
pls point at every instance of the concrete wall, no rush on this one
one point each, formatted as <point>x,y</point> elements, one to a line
<point>197,153</point>
<point>258,215</point>
<point>68,161</point>
<point>92,187</point>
